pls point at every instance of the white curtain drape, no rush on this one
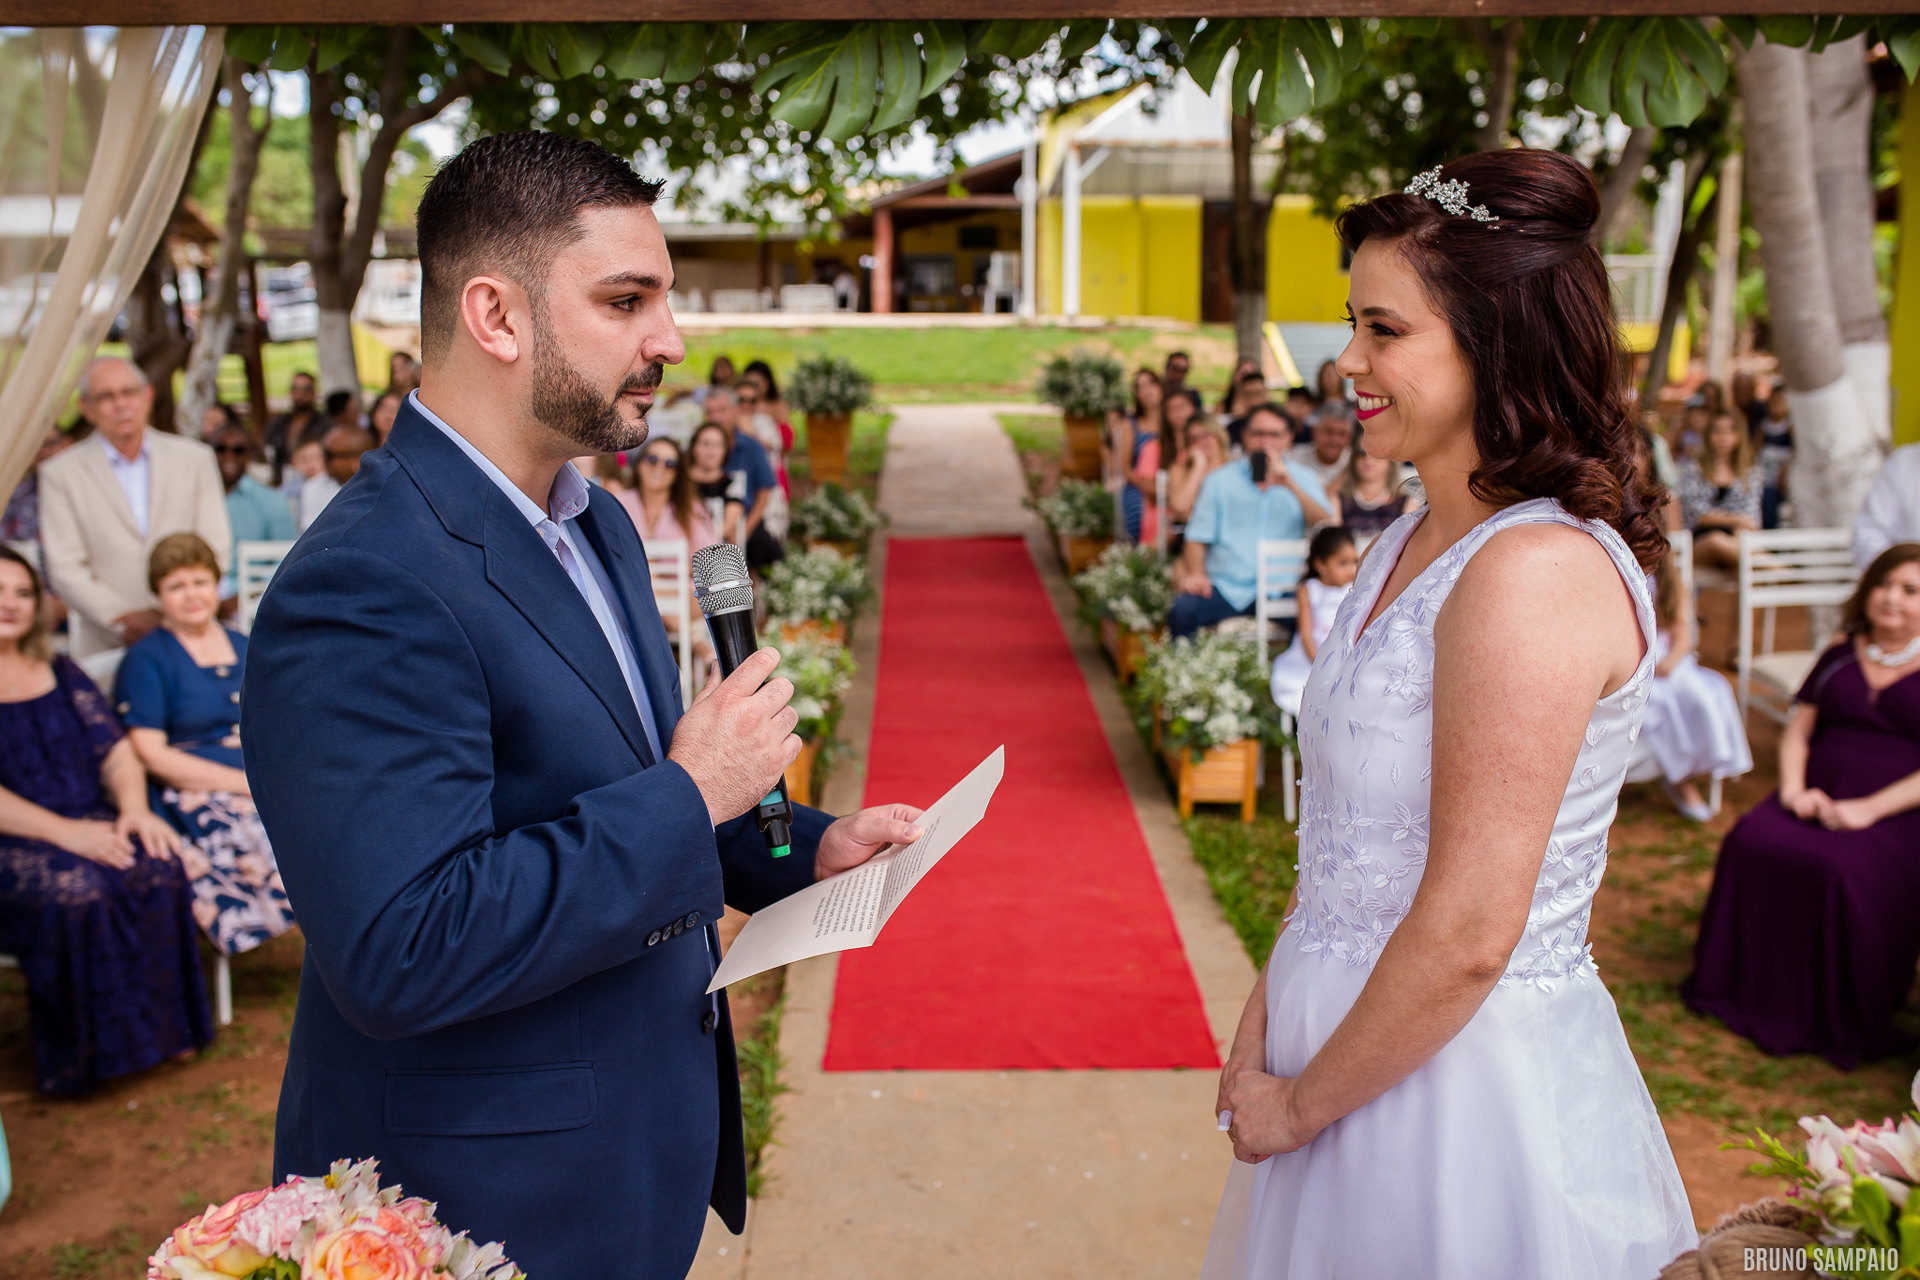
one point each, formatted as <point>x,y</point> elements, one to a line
<point>96,128</point>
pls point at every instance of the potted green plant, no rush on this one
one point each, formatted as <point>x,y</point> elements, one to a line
<point>1212,712</point>
<point>1085,385</point>
<point>829,390</point>
<point>821,670</point>
<point>1127,593</point>
<point>817,590</point>
<point>835,516</point>
<point>1080,515</point>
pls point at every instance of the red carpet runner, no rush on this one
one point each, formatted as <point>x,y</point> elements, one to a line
<point>1043,940</point>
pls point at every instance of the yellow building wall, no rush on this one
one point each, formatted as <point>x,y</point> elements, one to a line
<point>1304,280</point>
<point>1048,249</point>
<point>1170,257</point>
<point>1905,335</point>
<point>1109,256</point>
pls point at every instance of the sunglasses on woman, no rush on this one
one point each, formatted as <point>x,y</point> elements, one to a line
<point>660,460</point>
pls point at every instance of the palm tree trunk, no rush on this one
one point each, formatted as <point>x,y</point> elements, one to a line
<point>1502,48</point>
<point>1834,452</point>
<point>1621,179</point>
<point>1249,260</point>
<point>1840,96</point>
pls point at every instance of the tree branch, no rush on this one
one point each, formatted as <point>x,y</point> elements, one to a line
<point>1622,178</point>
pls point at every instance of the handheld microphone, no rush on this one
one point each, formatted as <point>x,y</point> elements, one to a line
<point>725,593</point>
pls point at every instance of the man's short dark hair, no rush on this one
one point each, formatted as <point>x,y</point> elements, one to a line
<point>507,205</point>
<point>1179,355</point>
<point>1278,411</point>
<point>1256,376</point>
<point>1299,391</point>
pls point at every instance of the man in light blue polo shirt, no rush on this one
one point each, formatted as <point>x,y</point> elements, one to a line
<point>1216,575</point>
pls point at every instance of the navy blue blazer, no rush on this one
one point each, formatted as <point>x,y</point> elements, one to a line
<point>507,901</point>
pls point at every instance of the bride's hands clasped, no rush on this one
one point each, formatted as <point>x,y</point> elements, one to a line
<point>1266,1115</point>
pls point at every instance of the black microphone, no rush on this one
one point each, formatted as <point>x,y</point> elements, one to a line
<point>725,593</point>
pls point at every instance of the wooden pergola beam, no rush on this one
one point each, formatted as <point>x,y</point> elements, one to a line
<point>54,13</point>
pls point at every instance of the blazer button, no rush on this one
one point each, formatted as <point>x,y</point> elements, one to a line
<point>708,1023</point>
<point>653,939</point>
<point>693,920</point>
<point>679,927</point>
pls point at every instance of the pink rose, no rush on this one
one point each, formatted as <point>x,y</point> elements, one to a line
<point>208,1240</point>
<point>273,1226</point>
<point>362,1252</point>
<point>411,1223</point>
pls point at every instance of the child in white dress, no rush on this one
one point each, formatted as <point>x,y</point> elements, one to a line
<point>1332,561</point>
<point>1692,729</point>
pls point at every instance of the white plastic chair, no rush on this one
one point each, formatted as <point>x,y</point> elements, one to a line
<point>670,566</point>
<point>102,667</point>
<point>1786,567</point>
<point>1279,562</point>
<point>257,562</point>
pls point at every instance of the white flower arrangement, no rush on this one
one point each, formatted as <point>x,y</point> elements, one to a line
<point>1211,690</point>
<point>1076,509</point>
<point>1083,383</point>
<point>1131,585</point>
<point>835,513</point>
<point>818,584</point>
<point>821,670</point>
<point>828,385</point>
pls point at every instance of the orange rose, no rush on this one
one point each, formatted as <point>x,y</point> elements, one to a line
<point>363,1252</point>
<point>208,1239</point>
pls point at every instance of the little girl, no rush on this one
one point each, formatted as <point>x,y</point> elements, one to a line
<point>1692,727</point>
<point>1331,563</point>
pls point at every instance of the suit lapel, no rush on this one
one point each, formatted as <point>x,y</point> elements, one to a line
<point>521,567</point>
<point>108,486</point>
<point>625,562</point>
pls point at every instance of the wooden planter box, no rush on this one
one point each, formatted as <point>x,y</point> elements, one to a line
<point>814,627</point>
<point>1080,553</point>
<point>800,774</point>
<point>1081,457</point>
<point>850,549</point>
<point>828,435</point>
<point>1127,649</point>
<point>1224,775</point>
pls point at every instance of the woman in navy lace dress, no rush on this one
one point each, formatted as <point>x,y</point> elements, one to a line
<point>93,900</point>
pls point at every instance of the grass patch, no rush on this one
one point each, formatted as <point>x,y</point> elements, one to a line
<point>1041,441</point>
<point>1251,869</point>
<point>759,1053</point>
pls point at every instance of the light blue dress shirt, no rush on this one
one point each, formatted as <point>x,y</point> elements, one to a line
<point>576,556</point>
<point>1232,514</point>
<point>135,477</point>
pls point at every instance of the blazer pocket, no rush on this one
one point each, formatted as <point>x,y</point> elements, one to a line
<point>490,1101</point>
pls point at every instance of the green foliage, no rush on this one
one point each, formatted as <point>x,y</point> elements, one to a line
<point>1076,509</point>
<point>1250,867</point>
<point>828,385</point>
<point>758,1051</point>
<point>818,584</point>
<point>835,513</point>
<point>1083,383</point>
<point>1130,585</point>
<point>821,670</point>
<point>1211,690</point>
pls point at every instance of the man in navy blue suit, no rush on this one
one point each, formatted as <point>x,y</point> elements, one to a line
<point>506,841</point>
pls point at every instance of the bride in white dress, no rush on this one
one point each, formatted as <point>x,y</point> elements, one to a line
<point>1429,1079</point>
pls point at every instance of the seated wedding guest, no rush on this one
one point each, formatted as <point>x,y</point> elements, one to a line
<point>1249,395</point>
<point>614,473</point>
<point>105,503</point>
<point>93,901</point>
<point>343,446</point>
<point>1773,440</point>
<point>1809,937</point>
<point>403,374</point>
<point>255,513</point>
<point>1173,375</point>
<point>1229,406</point>
<point>1328,383</point>
<point>1747,399</point>
<point>721,375</point>
<point>1891,512</point>
<point>668,508</point>
<point>1368,495</point>
<point>719,491</point>
<point>1692,726</point>
<point>750,394</point>
<point>285,431</point>
<point>1691,432</point>
<point>1134,434</point>
<point>1206,452</point>
<point>1325,456</point>
<point>1331,565</point>
<point>1647,443</point>
<point>178,692</point>
<point>747,459</point>
<point>308,461</point>
<point>1300,404</point>
<point>1720,493</point>
<point>343,410</point>
<point>385,410</point>
<point>1176,414</point>
<point>772,403</point>
<point>20,522</point>
<point>1217,573</point>
<point>218,415</point>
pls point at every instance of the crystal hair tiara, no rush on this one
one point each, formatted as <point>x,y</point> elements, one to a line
<point>1450,195</point>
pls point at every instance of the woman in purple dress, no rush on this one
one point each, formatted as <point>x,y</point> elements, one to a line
<point>1812,931</point>
<point>93,901</point>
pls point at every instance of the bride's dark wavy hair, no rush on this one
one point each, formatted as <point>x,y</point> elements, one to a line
<point>1531,307</point>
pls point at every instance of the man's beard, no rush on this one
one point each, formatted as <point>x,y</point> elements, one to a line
<point>565,402</point>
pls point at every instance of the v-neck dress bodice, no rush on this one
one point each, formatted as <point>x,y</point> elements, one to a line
<point>1527,1145</point>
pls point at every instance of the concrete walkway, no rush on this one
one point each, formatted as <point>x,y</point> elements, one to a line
<point>1040,1175</point>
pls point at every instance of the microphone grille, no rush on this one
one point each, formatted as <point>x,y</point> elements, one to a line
<point>720,581</point>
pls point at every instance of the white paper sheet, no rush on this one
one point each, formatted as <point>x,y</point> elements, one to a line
<point>849,910</point>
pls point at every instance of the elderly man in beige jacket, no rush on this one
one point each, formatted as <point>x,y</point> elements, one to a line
<point>105,502</point>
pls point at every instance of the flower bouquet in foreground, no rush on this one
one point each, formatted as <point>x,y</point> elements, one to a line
<point>1857,1187</point>
<point>345,1226</point>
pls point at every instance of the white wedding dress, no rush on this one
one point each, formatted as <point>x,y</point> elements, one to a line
<point>1527,1148</point>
